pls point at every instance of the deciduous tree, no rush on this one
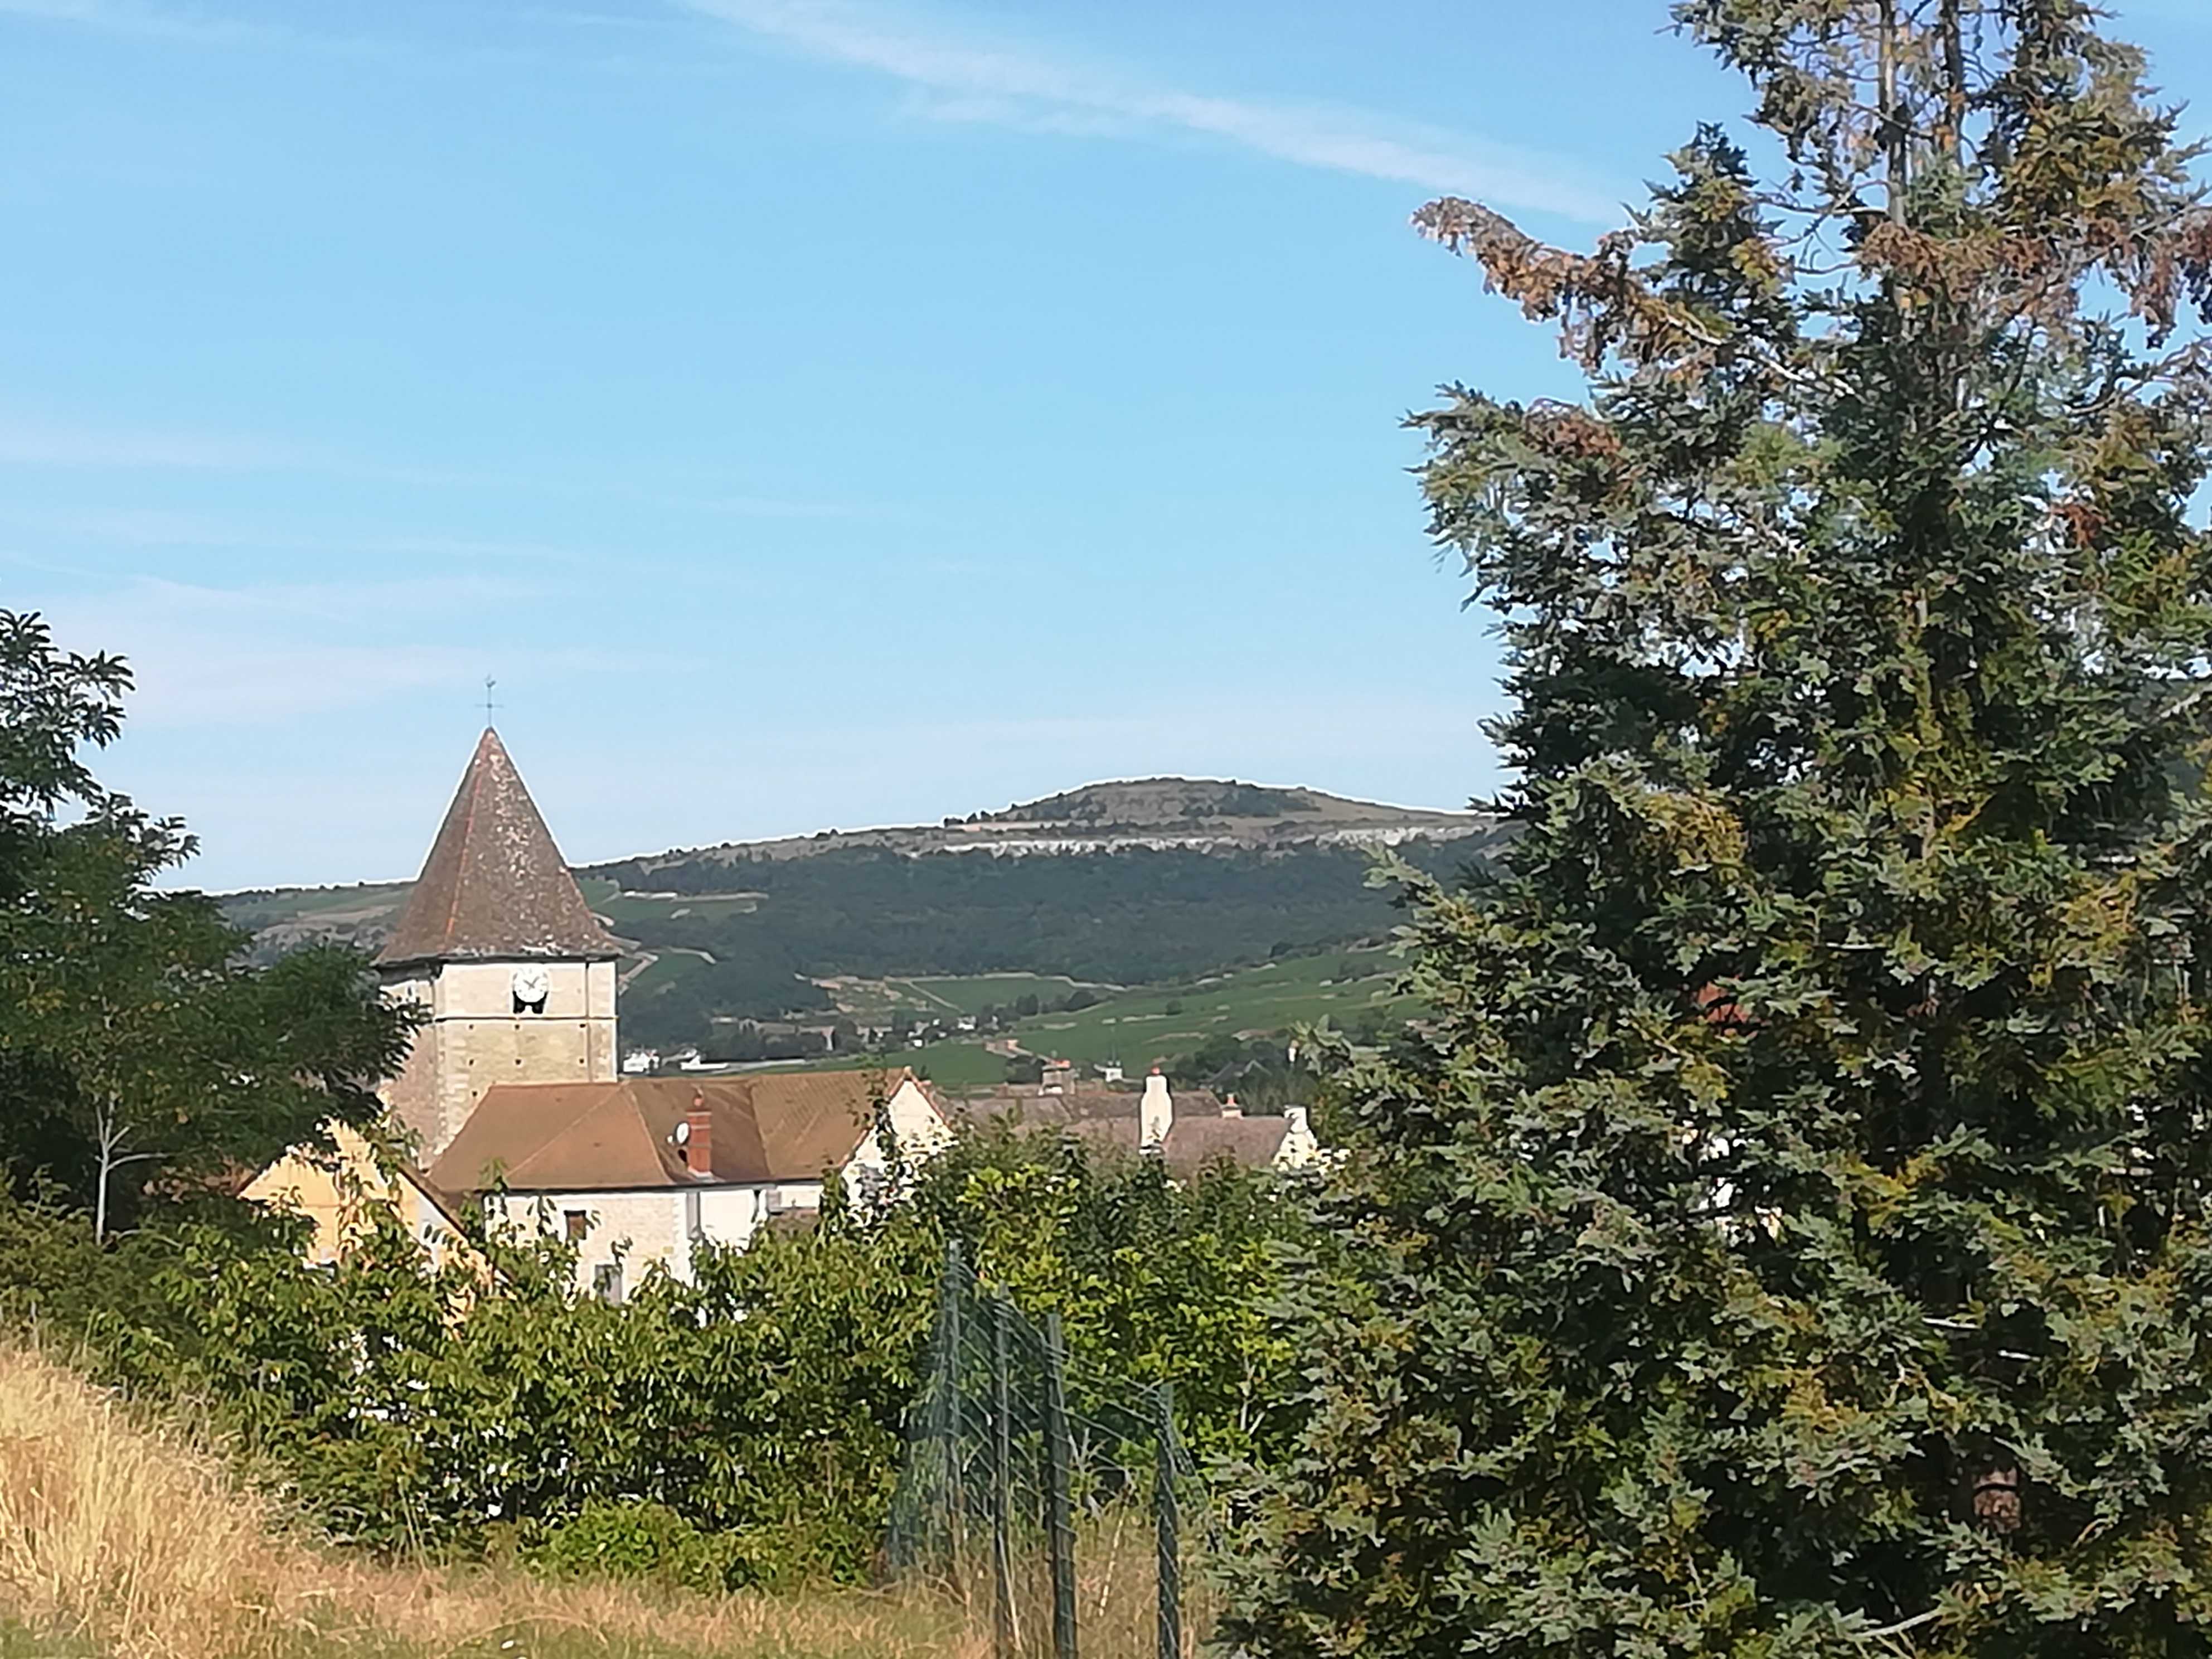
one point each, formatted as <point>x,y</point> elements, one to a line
<point>136,1045</point>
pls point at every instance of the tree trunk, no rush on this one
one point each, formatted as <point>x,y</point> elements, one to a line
<point>1954,84</point>
<point>1892,120</point>
<point>107,1145</point>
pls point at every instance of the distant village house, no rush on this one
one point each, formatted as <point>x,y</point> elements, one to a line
<point>1188,1131</point>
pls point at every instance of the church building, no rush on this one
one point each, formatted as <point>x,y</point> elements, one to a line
<point>516,974</point>
<point>512,1095</point>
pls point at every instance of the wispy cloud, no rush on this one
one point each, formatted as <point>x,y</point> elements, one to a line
<point>964,80</point>
<point>955,76</point>
<point>126,17</point>
<point>34,443</point>
<point>194,530</point>
<point>212,656</point>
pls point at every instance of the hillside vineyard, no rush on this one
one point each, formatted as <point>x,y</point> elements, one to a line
<point>1124,884</point>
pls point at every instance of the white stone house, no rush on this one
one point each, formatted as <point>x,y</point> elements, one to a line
<point>642,1171</point>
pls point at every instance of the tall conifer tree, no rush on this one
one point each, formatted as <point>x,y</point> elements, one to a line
<point>1789,1234</point>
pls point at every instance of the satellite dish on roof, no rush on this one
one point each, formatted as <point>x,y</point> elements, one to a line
<point>681,1136</point>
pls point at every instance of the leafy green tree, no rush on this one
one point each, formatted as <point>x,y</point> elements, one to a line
<point>764,1403</point>
<point>136,1049</point>
<point>1787,1233</point>
<point>1259,1071</point>
<point>1157,1279</point>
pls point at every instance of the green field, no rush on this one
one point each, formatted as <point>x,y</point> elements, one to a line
<point>632,907</point>
<point>668,968</point>
<point>947,996</point>
<point>309,904</point>
<point>1140,1025</point>
<point>956,1065</point>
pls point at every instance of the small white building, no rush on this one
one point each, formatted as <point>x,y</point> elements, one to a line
<point>640,1172</point>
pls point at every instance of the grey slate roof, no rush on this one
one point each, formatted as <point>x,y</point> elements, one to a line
<point>495,886</point>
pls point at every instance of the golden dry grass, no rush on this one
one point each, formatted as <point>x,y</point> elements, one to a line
<point>121,1534</point>
<point>1117,1589</point>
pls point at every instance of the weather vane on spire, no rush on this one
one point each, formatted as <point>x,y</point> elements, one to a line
<point>489,704</point>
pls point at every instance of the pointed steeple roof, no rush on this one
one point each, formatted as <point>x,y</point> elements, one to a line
<point>495,885</point>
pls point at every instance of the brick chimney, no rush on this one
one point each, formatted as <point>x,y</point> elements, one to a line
<point>1230,1109</point>
<point>1155,1113</point>
<point>699,1137</point>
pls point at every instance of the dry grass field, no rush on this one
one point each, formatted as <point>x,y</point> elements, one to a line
<point>123,1535</point>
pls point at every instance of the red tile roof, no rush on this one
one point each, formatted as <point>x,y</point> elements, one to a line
<point>605,1137</point>
<point>495,885</point>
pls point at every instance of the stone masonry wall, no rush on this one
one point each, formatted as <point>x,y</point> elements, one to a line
<point>475,1039</point>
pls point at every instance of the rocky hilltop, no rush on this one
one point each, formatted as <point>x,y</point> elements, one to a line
<point>1198,814</point>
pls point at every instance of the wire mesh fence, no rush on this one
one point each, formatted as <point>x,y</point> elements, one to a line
<point>1050,1497</point>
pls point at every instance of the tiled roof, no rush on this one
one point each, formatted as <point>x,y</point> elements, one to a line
<point>1193,1142</point>
<point>1082,1105</point>
<point>602,1137</point>
<point>495,885</point>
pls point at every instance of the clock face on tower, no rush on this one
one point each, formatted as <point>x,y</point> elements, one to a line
<point>531,984</point>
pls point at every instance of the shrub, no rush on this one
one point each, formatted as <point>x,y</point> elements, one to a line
<point>631,1538</point>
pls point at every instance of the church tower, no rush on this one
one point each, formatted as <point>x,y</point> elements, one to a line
<point>498,944</point>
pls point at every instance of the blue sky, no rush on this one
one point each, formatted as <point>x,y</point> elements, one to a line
<point>812,413</point>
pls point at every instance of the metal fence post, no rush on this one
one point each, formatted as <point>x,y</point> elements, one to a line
<point>1169,1523</point>
<point>1005,1637</point>
<point>1059,1520</point>
<point>949,1425</point>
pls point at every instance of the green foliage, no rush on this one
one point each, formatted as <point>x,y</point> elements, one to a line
<point>631,1540</point>
<point>761,1407</point>
<point>1140,803</point>
<point>136,1049</point>
<point>1789,1228</point>
<point>1168,914</point>
<point>1155,1280</point>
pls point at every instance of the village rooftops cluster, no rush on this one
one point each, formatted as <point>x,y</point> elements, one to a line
<point>1188,1130</point>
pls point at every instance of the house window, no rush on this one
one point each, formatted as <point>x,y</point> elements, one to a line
<point>694,1225</point>
<point>606,1282</point>
<point>574,1223</point>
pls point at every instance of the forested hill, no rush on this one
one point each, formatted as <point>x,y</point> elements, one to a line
<point>1130,883</point>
